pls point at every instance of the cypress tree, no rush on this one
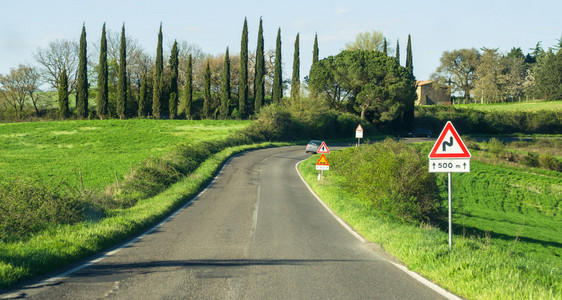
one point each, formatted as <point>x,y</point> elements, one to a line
<point>259,81</point>
<point>189,88</point>
<point>296,81</point>
<point>158,80</point>
<point>243,83</point>
<point>225,87</point>
<point>102,96</point>
<point>143,96</point>
<point>63,95</point>
<point>409,64</point>
<point>385,47</point>
<point>174,62</point>
<point>122,76</point>
<point>398,50</point>
<point>277,94</point>
<point>207,92</point>
<point>315,50</point>
<point>82,82</point>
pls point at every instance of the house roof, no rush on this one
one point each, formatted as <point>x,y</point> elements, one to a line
<point>423,82</point>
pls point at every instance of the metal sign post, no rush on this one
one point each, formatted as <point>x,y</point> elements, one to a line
<point>449,155</point>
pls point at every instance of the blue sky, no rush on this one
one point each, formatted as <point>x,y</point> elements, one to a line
<point>435,26</point>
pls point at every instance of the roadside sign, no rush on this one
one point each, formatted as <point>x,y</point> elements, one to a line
<point>359,132</point>
<point>449,155</point>
<point>322,163</point>
<point>323,149</point>
<point>456,165</point>
<point>449,144</point>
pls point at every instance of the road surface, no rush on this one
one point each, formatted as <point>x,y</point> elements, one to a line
<point>255,233</point>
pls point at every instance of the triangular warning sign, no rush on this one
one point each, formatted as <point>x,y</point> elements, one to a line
<point>359,128</point>
<point>322,161</point>
<point>323,149</point>
<point>449,144</point>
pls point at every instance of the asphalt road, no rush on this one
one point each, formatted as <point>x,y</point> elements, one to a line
<point>255,233</point>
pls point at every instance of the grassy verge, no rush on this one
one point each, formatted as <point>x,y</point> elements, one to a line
<point>482,265</point>
<point>64,244</point>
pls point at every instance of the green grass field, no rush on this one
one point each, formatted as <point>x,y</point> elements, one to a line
<point>530,106</point>
<point>97,148</point>
<point>507,231</point>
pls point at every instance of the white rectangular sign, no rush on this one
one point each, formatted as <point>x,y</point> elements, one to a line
<point>451,165</point>
<point>359,134</point>
<point>322,167</point>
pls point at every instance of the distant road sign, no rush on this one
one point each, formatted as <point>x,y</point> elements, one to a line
<point>359,132</point>
<point>449,144</point>
<point>322,163</point>
<point>323,149</point>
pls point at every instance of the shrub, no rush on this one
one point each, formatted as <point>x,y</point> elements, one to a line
<point>392,178</point>
<point>30,205</point>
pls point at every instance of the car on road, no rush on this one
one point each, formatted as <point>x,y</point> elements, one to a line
<point>420,132</point>
<point>312,146</point>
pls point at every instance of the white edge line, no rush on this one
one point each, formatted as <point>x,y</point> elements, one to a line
<point>412,274</point>
<point>134,240</point>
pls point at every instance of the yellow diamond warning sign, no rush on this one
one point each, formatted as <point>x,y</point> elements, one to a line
<point>322,163</point>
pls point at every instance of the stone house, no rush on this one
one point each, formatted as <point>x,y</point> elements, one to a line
<point>430,93</point>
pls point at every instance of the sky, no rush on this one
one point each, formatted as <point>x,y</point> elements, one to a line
<point>213,25</point>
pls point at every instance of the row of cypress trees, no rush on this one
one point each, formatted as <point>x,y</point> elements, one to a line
<point>244,109</point>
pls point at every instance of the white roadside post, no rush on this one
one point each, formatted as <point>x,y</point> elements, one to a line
<point>359,134</point>
<point>449,155</point>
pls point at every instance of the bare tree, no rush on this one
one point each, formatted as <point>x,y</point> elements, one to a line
<point>13,90</point>
<point>31,84</point>
<point>58,55</point>
<point>370,40</point>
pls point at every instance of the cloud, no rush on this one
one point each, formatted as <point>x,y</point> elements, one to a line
<point>341,11</point>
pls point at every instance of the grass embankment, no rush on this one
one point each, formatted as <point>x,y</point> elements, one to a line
<point>98,148</point>
<point>507,231</point>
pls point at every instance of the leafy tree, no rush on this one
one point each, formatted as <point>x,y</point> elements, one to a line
<point>277,94</point>
<point>189,88</point>
<point>122,77</point>
<point>548,76</point>
<point>174,64</point>
<point>82,82</point>
<point>143,97</point>
<point>315,50</point>
<point>409,63</point>
<point>225,87</point>
<point>64,111</point>
<point>102,97</point>
<point>243,83</point>
<point>207,92</point>
<point>369,82</point>
<point>296,80</point>
<point>385,47</point>
<point>371,41</point>
<point>259,80</point>
<point>458,70</point>
<point>489,79</point>
<point>157,86</point>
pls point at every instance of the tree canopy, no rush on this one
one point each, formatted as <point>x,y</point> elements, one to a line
<point>367,82</point>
